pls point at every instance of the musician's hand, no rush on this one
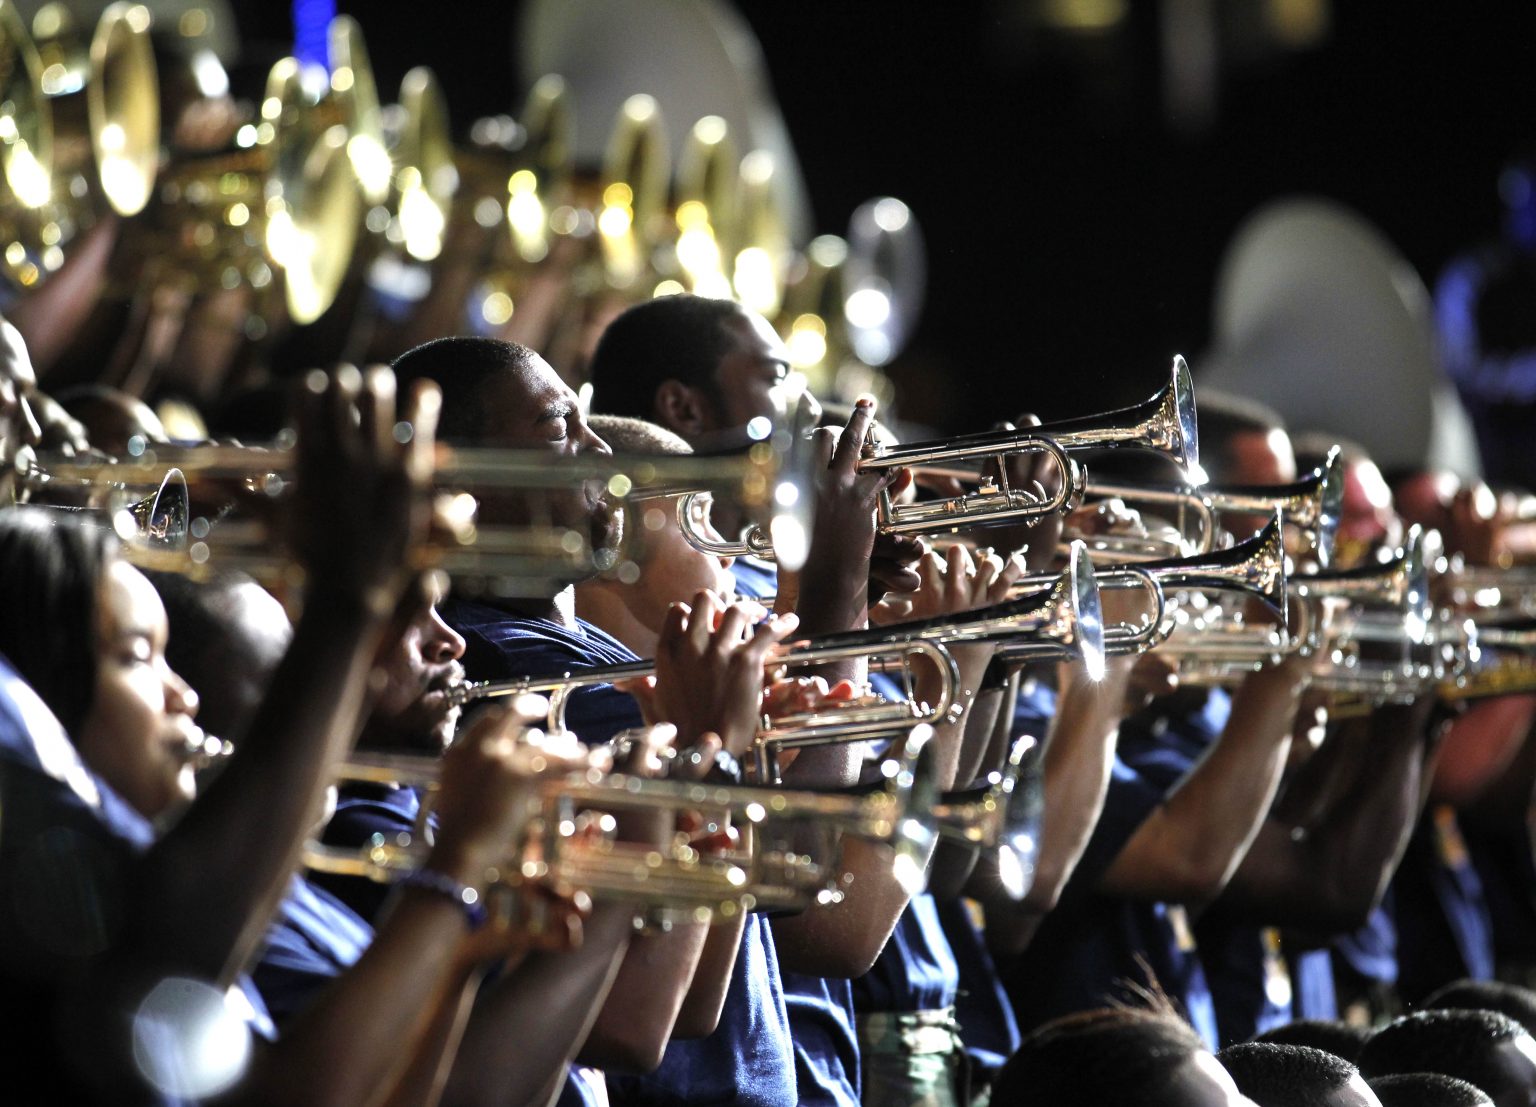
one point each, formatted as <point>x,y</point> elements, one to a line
<point>834,585</point>
<point>951,583</point>
<point>1037,474</point>
<point>491,781</point>
<point>797,695</point>
<point>362,498</point>
<point>893,565</point>
<point>709,672</point>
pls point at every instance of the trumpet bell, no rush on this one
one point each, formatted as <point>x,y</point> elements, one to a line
<point>123,103</point>
<point>161,521</point>
<point>1164,423</point>
<point>425,178</point>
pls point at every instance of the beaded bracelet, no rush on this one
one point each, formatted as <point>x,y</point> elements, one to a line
<point>464,897</point>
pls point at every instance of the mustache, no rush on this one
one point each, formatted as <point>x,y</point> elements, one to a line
<point>448,676</point>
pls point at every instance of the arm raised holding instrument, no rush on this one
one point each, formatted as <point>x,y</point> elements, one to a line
<point>844,939</point>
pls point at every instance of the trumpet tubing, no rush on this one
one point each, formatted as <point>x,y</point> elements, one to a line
<point>676,882</point>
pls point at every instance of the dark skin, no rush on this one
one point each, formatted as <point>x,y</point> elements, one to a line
<point>531,407</point>
<point>1324,864</point>
<point>361,507</point>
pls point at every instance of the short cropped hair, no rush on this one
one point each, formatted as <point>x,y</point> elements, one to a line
<point>1285,1075</point>
<point>1115,1057</point>
<point>1427,1089</point>
<point>1335,1037</point>
<point>1455,1043</point>
<point>463,367</point>
<point>1488,995</point>
<point>682,338</point>
<point>52,564</point>
<point>627,435</point>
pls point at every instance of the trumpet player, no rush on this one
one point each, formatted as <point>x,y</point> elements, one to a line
<point>1190,788</point>
<point>100,1013</point>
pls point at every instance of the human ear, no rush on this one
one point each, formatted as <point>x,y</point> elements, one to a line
<point>681,408</point>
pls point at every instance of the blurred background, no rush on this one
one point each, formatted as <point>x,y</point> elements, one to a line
<point>1078,168</point>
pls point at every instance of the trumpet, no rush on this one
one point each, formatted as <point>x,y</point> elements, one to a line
<point>1386,621</point>
<point>1063,620</point>
<point>1310,508</point>
<point>1255,567</point>
<point>1164,423</point>
<point>500,559</point>
<point>677,883</point>
<point>81,132</point>
<point>284,198</point>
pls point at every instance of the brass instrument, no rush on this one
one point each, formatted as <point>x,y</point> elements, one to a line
<point>1164,423</point>
<point>104,98</point>
<point>705,212</point>
<point>424,176</point>
<point>762,248</point>
<point>1062,619</point>
<point>285,198</point>
<point>1310,508</point>
<point>79,130</point>
<point>632,206</point>
<point>678,883</point>
<point>501,559</point>
<point>1381,635</point>
<point>1255,567</point>
<point>519,173</point>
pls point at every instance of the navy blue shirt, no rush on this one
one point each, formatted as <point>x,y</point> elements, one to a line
<point>916,971</point>
<point>313,940</point>
<point>748,1060</point>
<point>363,812</point>
<point>502,646</point>
<point>1094,949</point>
<point>988,1029</point>
<point>821,1024</point>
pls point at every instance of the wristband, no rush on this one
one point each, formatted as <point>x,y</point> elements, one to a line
<point>464,897</point>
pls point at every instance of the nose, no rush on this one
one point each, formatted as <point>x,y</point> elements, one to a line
<point>441,643</point>
<point>180,699</point>
<point>592,441</point>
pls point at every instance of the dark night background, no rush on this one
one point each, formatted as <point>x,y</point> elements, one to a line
<point>1074,222</point>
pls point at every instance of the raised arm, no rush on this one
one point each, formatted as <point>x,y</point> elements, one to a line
<point>1190,846</point>
<point>360,504</point>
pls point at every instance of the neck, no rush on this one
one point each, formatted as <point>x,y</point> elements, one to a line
<point>602,603</point>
